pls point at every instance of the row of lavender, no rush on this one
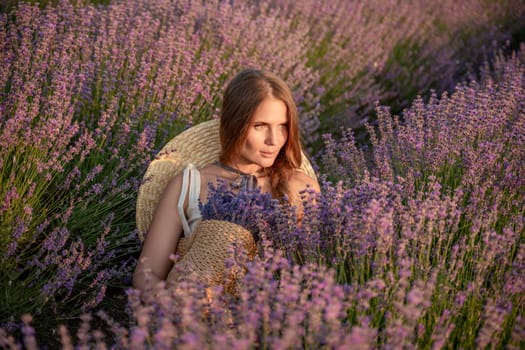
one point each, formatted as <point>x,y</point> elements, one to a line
<point>90,93</point>
<point>423,248</point>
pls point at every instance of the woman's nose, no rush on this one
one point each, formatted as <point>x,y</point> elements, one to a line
<point>271,137</point>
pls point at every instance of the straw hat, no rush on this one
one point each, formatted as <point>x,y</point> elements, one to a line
<point>198,145</point>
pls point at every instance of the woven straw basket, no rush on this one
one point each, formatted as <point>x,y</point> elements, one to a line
<point>206,250</point>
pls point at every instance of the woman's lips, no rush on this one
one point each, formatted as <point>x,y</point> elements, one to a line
<point>268,154</point>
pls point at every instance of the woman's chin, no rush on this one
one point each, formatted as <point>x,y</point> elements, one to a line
<point>267,162</point>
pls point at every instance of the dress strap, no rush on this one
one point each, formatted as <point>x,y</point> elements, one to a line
<point>195,187</point>
<point>191,182</point>
<point>182,197</point>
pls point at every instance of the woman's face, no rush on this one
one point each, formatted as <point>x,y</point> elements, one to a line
<point>267,134</point>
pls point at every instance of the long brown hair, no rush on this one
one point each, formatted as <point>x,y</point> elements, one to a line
<point>243,95</point>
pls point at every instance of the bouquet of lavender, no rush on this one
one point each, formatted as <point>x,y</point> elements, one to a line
<point>256,211</point>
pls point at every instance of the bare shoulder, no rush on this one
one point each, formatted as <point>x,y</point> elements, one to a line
<point>172,188</point>
<point>301,181</point>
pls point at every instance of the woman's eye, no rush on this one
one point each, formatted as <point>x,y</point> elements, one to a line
<point>258,126</point>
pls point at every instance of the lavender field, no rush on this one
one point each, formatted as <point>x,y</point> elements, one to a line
<point>413,114</point>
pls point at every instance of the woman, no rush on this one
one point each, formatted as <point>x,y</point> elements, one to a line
<point>259,135</point>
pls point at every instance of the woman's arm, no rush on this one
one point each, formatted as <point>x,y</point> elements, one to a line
<point>161,239</point>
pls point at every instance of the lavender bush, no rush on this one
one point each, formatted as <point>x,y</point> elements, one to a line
<point>391,50</point>
<point>441,193</point>
<point>414,242</point>
<point>89,94</point>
